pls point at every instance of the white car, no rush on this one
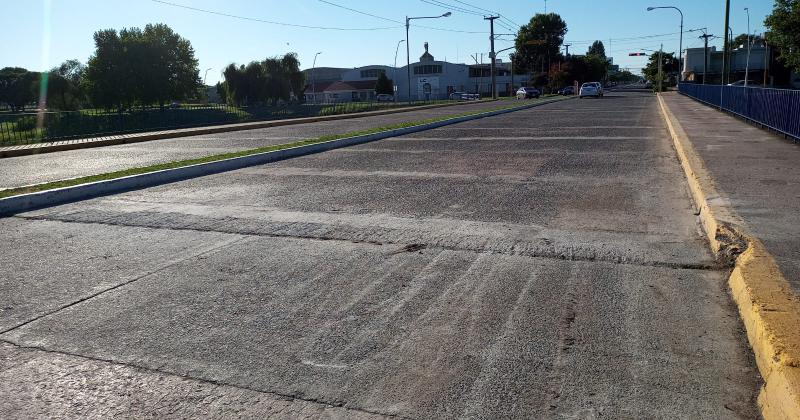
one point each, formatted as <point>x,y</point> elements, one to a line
<point>590,89</point>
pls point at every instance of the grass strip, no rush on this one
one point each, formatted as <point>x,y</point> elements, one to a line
<point>222,156</point>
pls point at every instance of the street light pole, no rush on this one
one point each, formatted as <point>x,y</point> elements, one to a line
<point>205,75</point>
<point>492,53</point>
<point>313,81</point>
<point>408,48</point>
<point>394,69</point>
<point>749,43</point>
<point>680,46</point>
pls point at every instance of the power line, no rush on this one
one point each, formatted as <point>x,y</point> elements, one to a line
<point>397,21</point>
<point>360,12</point>
<point>449,7</point>
<point>271,22</point>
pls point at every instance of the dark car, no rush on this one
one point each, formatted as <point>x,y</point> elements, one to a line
<point>567,90</point>
<point>528,93</point>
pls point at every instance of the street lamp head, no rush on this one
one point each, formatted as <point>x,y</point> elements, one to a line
<point>446,14</point>
<point>650,9</point>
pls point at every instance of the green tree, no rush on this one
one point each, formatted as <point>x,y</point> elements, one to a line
<point>64,85</point>
<point>579,69</point>
<point>538,42</point>
<point>144,67</point>
<point>783,24</point>
<point>597,49</point>
<point>17,87</point>
<point>384,85</point>
<point>741,40</point>
<point>670,66</point>
<point>270,81</point>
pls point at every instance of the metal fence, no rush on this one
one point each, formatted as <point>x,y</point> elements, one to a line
<point>777,109</point>
<point>34,127</point>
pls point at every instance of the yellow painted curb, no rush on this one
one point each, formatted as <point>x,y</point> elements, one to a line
<point>767,305</point>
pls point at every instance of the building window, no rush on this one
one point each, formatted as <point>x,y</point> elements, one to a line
<point>372,73</point>
<point>428,69</point>
<point>480,72</point>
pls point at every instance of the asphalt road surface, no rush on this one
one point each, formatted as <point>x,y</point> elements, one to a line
<point>35,169</point>
<point>541,264</point>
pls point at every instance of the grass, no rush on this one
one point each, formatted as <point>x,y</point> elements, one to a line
<point>10,192</point>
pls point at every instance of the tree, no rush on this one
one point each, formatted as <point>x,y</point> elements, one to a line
<point>741,40</point>
<point>783,24</point>
<point>670,65</point>
<point>538,42</point>
<point>64,85</point>
<point>269,81</point>
<point>135,66</point>
<point>384,85</point>
<point>582,69</point>
<point>597,49</point>
<point>17,87</point>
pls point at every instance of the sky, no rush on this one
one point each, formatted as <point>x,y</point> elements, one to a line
<point>40,34</point>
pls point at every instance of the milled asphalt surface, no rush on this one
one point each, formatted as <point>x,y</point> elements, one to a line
<point>539,264</point>
<point>36,169</point>
<point>757,173</point>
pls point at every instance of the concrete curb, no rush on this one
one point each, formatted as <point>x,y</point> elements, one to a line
<point>767,305</point>
<point>25,202</point>
<point>199,131</point>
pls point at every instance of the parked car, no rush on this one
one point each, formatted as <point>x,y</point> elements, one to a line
<point>567,90</point>
<point>463,96</point>
<point>528,93</point>
<point>589,89</point>
<point>741,83</point>
<point>385,97</point>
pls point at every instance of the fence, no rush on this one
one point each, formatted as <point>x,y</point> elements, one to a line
<point>34,127</point>
<point>777,109</point>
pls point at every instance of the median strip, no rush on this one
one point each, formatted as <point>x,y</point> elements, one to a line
<point>15,200</point>
<point>767,306</point>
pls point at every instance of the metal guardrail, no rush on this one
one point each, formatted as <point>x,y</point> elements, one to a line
<point>776,109</point>
<point>34,127</point>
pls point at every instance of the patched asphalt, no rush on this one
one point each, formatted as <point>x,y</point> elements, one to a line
<point>545,263</point>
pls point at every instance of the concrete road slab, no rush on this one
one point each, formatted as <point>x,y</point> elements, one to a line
<point>422,333</point>
<point>46,266</point>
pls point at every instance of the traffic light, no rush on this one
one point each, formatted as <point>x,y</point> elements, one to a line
<point>636,54</point>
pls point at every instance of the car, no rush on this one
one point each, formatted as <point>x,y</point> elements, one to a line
<point>528,93</point>
<point>385,97</point>
<point>589,89</point>
<point>567,90</point>
<point>741,83</point>
<point>599,88</point>
<point>462,96</point>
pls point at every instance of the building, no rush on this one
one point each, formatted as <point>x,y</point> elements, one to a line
<point>431,79</point>
<point>763,67</point>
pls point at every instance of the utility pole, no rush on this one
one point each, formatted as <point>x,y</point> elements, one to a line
<point>491,54</point>
<point>567,47</point>
<point>726,45</point>
<point>705,55</point>
<point>749,44</point>
<point>660,66</point>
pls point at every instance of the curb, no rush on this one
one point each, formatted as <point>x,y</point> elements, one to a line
<point>199,131</point>
<point>25,202</point>
<point>767,305</point>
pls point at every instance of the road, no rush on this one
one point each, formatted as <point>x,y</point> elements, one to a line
<point>35,169</point>
<point>541,264</point>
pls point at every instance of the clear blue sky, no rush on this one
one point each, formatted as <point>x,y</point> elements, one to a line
<point>219,40</point>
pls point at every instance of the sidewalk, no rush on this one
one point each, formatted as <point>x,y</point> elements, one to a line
<point>757,171</point>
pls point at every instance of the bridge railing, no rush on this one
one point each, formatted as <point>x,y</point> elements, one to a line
<point>777,109</point>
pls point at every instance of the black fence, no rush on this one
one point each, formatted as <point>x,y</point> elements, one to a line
<point>777,109</point>
<point>33,127</point>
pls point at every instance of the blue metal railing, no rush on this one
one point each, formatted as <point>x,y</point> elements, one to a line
<point>777,109</point>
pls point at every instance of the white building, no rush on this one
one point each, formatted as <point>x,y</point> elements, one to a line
<point>430,79</point>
